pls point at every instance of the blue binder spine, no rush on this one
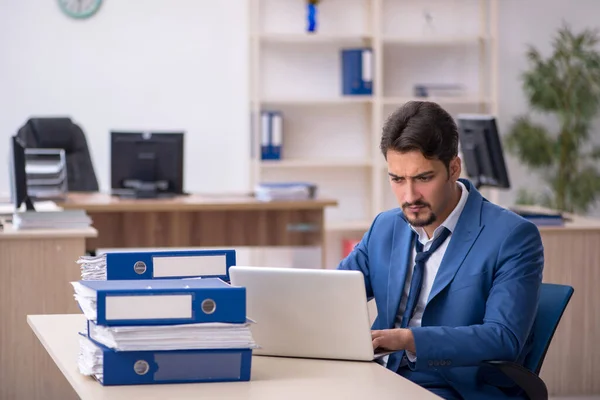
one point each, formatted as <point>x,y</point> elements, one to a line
<point>357,71</point>
<point>170,264</point>
<point>174,366</point>
<point>265,135</point>
<point>276,142</point>
<point>156,306</point>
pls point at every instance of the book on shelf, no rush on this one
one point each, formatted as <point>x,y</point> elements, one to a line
<point>275,191</point>
<point>357,71</point>
<point>424,90</point>
<point>539,215</point>
<point>271,126</point>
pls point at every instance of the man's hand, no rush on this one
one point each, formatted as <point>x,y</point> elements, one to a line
<point>394,339</point>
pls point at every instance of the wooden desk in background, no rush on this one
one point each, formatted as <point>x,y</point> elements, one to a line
<point>572,257</point>
<point>201,221</point>
<point>36,267</point>
<point>271,378</point>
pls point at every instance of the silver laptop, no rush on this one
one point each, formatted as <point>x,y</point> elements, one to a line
<point>307,313</point>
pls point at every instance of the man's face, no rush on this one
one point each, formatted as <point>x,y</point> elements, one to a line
<point>422,187</point>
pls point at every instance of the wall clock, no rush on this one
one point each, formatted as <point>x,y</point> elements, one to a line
<point>79,8</point>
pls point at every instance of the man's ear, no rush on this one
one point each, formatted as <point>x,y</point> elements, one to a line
<point>455,168</point>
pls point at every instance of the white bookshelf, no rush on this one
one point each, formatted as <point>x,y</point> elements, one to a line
<point>333,140</point>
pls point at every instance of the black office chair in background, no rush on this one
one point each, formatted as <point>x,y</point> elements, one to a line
<point>63,133</point>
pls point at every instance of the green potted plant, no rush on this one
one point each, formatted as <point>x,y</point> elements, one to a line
<point>566,87</point>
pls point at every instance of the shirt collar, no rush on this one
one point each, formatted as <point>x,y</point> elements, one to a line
<point>452,219</point>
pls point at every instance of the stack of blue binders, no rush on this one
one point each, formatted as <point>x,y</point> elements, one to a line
<point>163,317</point>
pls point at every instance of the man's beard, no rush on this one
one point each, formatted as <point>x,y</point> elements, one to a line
<point>419,221</point>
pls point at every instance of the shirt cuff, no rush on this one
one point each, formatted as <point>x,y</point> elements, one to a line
<point>412,357</point>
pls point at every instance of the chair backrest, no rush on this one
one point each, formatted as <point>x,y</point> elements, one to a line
<point>553,302</point>
<point>62,133</point>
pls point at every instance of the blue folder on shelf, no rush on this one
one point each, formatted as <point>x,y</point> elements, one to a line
<point>158,265</point>
<point>161,367</point>
<point>271,135</point>
<point>357,71</point>
<point>161,301</point>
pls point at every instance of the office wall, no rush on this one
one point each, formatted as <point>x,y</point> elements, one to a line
<point>523,22</point>
<point>137,64</point>
<point>141,64</point>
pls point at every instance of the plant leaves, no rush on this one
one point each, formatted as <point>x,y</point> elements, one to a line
<point>566,84</point>
<point>584,189</point>
<point>526,198</point>
<point>531,143</point>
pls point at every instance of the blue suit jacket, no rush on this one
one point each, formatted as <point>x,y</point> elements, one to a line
<point>483,300</point>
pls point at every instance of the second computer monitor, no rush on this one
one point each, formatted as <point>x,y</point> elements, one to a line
<point>147,164</point>
<point>482,152</point>
<point>18,175</point>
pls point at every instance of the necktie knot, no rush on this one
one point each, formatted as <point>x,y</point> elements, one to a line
<point>422,256</point>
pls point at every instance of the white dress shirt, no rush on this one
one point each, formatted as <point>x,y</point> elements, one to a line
<point>431,265</point>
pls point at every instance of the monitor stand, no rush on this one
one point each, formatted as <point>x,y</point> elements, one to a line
<point>143,190</point>
<point>142,194</point>
<point>29,204</point>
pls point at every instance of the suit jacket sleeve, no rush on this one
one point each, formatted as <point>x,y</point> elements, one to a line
<point>510,310</point>
<point>358,260</point>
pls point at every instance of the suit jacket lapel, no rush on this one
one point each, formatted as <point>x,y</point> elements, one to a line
<point>462,239</point>
<point>399,264</point>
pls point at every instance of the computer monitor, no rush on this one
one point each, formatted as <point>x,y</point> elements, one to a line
<point>146,164</point>
<point>482,154</point>
<point>18,175</point>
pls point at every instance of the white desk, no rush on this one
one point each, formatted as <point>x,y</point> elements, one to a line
<point>272,377</point>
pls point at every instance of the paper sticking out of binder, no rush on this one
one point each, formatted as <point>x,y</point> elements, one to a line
<point>160,301</point>
<point>153,367</point>
<point>157,265</point>
<point>208,335</point>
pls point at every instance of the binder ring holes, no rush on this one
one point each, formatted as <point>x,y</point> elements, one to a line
<point>141,367</point>
<point>139,267</point>
<point>209,306</point>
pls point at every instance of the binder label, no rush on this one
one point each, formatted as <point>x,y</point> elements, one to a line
<point>165,267</point>
<point>145,307</point>
<point>367,66</point>
<point>277,130</point>
<point>197,366</point>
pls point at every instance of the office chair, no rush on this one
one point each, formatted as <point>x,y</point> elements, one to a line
<point>553,302</point>
<point>62,133</point>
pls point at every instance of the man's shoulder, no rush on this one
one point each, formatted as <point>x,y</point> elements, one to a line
<point>388,218</point>
<point>504,219</point>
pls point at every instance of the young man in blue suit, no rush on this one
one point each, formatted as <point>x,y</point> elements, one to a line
<point>456,279</point>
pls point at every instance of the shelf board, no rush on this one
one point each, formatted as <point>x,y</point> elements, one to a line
<point>432,40</point>
<point>318,101</point>
<point>322,38</point>
<point>348,226</point>
<point>315,163</point>
<point>439,99</point>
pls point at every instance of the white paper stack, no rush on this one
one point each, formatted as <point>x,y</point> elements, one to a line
<point>66,219</point>
<point>285,191</point>
<point>93,268</point>
<point>173,337</point>
<point>90,360</point>
<point>86,298</point>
